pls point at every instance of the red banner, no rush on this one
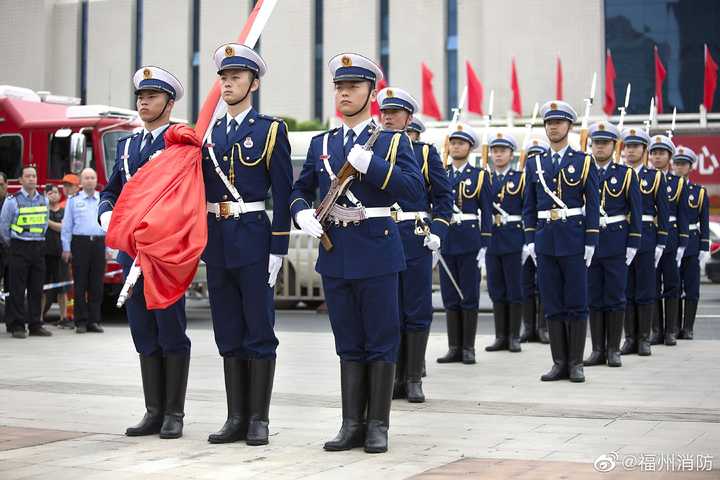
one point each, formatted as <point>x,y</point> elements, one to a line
<point>707,170</point>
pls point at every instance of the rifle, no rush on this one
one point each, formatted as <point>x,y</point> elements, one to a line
<point>621,122</point>
<point>338,187</point>
<point>588,104</point>
<point>453,123</point>
<point>672,125</point>
<point>647,124</point>
<point>486,133</point>
<point>528,128</point>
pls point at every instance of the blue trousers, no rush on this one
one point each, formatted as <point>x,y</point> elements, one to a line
<point>690,277</point>
<point>668,276</point>
<point>364,317</point>
<point>607,283</point>
<point>642,281</point>
<point>243,314</point>
<point>529,280</point>
<point>156,332</point>
<point>504,277</point>
<point>563,286</point>
<point>467,274</point>
<point>415,291</point>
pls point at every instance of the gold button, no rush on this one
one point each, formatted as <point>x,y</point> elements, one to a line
<point>224,197</point>
<point>225,158</point>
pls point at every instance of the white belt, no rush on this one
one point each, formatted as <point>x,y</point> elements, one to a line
<point>559,213</point>
<point>234,209</point>
<point>463,217</point>
<point>672,218</point>
<point>648,218</point>
<point>500,219</point>
<point>377,212</point>
<point>605,221</point>
<point>694,226</point>
<point>407,216</point>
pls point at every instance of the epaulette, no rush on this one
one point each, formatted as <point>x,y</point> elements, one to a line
<point>133,135</point>
<point>270,118</point>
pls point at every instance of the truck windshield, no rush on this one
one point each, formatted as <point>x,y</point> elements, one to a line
<point>110,141</point>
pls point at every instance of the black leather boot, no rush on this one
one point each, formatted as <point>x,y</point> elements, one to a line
<point>500,316</point>
<point>671,320</point>
<point>236,391</point>
<point>645,314</point>
<point>597,336</point>
<point>262,373</point>
<point>454,331</point>
<point>658,326</point>
<point>469,322</point>
<point>176,377</point>
<point>689,313</point>
<point>416,342</point>
<point>542,329</point>
<point>630,345</point>
<point>354,390</point>
<point>153,383</point>
<point>380,379</point>
<point>613,332</point>
<point>514,321</point>
<point>559,351</point>
<point>577,332</point>
<point>529,321</point>
<point>400,387</point>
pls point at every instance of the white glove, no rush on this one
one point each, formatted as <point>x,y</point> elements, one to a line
<point>531,252</point>
<point>360,158</point>
<point>435,258</point>
<point>105,220</point>
<point>589,252</point>
<point>308,223</point>
<point>481,258</point>
<point>679,255</point>
<point>432,242</point>
<point>659,249</point>
<point>274,265</point>
<point>703,257</point>
<point>630,255</point>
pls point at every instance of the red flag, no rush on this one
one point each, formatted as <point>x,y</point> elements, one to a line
<point>515,86</point>
<point>166,247</point>
<point>710,83</point>
<point>558,80</point>
<point>375,106</point>
<point>474,92</point>
<point>429,102</point>
<point>610,98</point>
<point>660,74</point>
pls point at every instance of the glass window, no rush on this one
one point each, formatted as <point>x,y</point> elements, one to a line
<point>11,147</point>
<point>58,157</point>
<point>110,143</point>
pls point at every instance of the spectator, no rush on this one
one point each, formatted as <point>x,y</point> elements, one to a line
<point>3,250</point>
<point>71,185</point>
<point>23,222</point>
<point>53,251</point>
<point>83,243</point>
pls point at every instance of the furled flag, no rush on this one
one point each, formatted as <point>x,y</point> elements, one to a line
<point>429,102</point>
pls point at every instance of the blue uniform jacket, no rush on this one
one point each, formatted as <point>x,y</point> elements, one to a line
<point>259,154</point>
<point>473,194</point>
<point>508,194</point>
<point>619,195</point>
<point>698,203</point>
<point>654,204</point>
<point>575,182</point>
<point>677,196</point>
<point>373,247</point>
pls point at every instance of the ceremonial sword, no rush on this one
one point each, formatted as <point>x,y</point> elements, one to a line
<point>422,229</point>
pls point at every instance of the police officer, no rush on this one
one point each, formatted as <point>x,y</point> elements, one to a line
<point>504,256</point>
<point>159,335</point>
<point>561,216</point>
<point>245,155</point>
<point>620,230</point>
<point>465,245</point>
<point>534,321</point>
<point>668,270</point>
<point>359,264</point>
<point>423,223</point>
<point>23,222</point>
<point>641,289</point>
<point>697,252</point>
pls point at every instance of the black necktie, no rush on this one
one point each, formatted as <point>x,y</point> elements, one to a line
<point>233,127</point>
<point>349,142</point>
<point>145,151</point>
<point>556,158</point>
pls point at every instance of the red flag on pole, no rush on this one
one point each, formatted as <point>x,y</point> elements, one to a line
<point>610,98</point>
<point>660,74</point>
<point>515,86</point>
<point>474,92</point>
<point>710,82</point>
<point>558,80</point>
<point>429,102</point>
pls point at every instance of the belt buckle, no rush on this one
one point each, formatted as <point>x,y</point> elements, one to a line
<point>555,215</point>
<point>394,215</point>
<point>497,220</point>
<point>224,209</point>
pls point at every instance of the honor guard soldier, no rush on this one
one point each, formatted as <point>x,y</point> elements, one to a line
<point>159,335</point>
<point>423,223</point>
<point>534,321</point>
<point>641,284</point>
<point>697,252</point>
<point>619,241</point>
<point>666,322</point>
<point>362,250</point>
<point>465,246</point>
<point>504,255</point>
<point>561,216</point>
<point>245,155</point>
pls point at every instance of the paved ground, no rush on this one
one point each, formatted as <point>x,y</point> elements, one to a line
<point>65,401</point>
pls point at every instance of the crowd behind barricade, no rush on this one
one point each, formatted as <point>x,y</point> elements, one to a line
<point>52,251</point>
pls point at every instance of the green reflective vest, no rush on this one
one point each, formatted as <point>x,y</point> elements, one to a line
<point>32,217</point>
